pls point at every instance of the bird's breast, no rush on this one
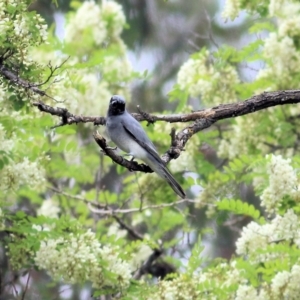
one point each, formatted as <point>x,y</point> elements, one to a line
<point>124,141</point>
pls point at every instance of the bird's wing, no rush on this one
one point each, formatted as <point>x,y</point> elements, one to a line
<point>136,131</point>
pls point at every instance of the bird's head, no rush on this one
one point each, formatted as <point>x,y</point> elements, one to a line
<point>116,105</point>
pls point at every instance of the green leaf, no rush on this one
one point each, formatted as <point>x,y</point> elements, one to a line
<point>69,129</point>
<point>238,207</point>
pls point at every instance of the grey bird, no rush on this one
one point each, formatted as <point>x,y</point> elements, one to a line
<point>128,134</point>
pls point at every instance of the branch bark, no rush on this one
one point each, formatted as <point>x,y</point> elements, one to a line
<point>200,119</point>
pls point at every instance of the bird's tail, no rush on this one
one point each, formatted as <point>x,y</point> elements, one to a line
<point>163,172</point>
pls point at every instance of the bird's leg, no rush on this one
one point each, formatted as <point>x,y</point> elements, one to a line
<point>111,148</point>
<point>108,148</point>
<point>129,154</point>
<point>132,159</point>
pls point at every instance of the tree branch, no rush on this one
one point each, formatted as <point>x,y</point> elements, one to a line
<point>131,231</point>
<point>158,269</point>
<point>201,119</point>
<point>15,79</point>
<point>103,209</point>
<point>130,165</point>
<point>67,118</point>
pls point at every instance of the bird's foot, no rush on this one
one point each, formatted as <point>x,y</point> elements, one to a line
<point>131,160</point>
<point>108,148</point>
<point>132,157</point>
<point>111,148</point>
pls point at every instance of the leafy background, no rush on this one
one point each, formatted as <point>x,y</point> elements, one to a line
<point>237,236</point>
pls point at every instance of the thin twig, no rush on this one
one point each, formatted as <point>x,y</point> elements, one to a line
<point>52,72</point>
<point>136,235</point>
<point>108,211</point>
<point>104,209</point>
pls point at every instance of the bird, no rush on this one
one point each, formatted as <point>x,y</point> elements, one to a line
<point>128,134</point>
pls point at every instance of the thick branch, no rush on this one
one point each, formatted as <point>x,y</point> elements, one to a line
<point>15,79</point>
<point>214,114</point>
<point>130,165</point>
<point>231,110</point>
<point>131,231</point>
<point>201,119</point>
<point>67,118</point>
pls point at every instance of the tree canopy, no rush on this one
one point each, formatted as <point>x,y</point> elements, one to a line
<point>78,220</point>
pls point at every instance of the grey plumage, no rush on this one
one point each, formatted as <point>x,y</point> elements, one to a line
<point>127,133</point>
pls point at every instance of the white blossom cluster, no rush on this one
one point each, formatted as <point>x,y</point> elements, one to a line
<point>21,172</point>
<point>118,69</point>
<point>287,60</point>
<point>186,162</point>
<point>281,44</point>
<point>25,172</point>
<point>231,277</point>
<point>239,138</point>
<point>176,289</point>
<point>86,90</point>
<point>81,92</point>
<point>282,181</point>
<point>6,143</point>
<point>246,292</point>
<point>113,14</point>
<point>285,285</point>
<point>20,29</point>
<point>198,76</point>
<point>6,94</point>
<point>279,73</point>
<point>232,9</point>
<point>49,208</point>
<point>255,236</point>
<point>102,22</point>
<point>79,258</point>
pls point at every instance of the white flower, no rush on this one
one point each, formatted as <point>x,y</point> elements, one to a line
<point>88,16</point>
<point>189,74</point>
<point>78,258</point>
<point>140,256</point>
<point>114,229</point>
<point>240,137</point>
<point>280,280</point>
<point>287,60</point>
<point>176,289</point>
<point>286,284</point>
<point>25,172</point>
<point>116,265</point>
<point>198,76</point>
<point>6,144</point>
<point>113,13</point>
<point>231,9</point>
<point>283,9</point>
<point>246,292</point>
<point>116,68</point>
<point>49,209</point>
<point>282,181</point>
<point>254,236</point>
